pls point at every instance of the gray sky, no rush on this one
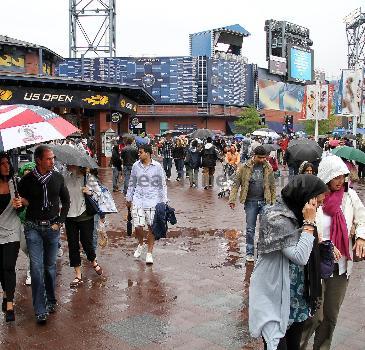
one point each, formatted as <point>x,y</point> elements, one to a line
<point>162,27</point>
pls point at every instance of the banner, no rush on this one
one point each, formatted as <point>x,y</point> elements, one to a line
<point>317,100</point>
<point>350,92</point>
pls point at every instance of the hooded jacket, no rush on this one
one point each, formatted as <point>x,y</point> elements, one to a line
<point>242,179</point>
<point>209,156</point>
<point>193,158</point>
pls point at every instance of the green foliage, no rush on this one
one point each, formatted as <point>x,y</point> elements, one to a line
<point>324,126</point>
<point>248,122</point>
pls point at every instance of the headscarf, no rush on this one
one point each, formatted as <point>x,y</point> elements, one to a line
<point>295,195</point>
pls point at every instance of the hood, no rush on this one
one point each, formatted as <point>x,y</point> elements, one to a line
<point>331,167</point>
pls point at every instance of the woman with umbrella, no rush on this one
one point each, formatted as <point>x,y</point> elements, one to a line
<point>79,223</point>
<point>286,284</point>
<point>10,229</point>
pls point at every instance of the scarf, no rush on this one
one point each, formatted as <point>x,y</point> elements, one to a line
<point>296,194</point>
<point>338,231</point>
<point>43,180</point>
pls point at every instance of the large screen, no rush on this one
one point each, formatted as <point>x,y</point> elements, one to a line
<point>300,64</point>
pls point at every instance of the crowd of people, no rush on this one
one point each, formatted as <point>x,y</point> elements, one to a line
<point>309,237</point>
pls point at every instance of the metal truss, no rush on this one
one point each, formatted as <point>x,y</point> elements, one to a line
<point>355,31</point>
<point>92,28</point>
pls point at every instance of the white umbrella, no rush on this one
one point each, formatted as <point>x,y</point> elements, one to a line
<point>266,133</point>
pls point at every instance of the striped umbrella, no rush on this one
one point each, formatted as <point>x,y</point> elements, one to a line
<point>22,125</point>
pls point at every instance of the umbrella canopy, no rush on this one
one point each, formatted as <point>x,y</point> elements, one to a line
<point>305,149</point>
<point>349,136</point>
<point>202,134</point>
<point>266,132</point>
<point>269,147</point>
<point>142,140</point>
<point>22,125</point>
<point>350,153</point>
<point>239,136</point>
<point>73,156</point>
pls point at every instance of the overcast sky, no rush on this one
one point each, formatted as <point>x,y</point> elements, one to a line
<point>162,27</point>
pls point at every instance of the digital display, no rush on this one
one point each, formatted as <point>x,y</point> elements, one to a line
<point>300,64</point>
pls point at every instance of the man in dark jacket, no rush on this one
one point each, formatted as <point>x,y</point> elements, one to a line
<point>209,156</point>
<point>116,164</point>
<point>193,161</point>
<point>129,156</point>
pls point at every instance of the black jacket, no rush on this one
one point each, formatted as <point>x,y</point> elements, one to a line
<point>129,155</point>
<point>178,152</point>
<point>115,160</point>
<point>163,214</point>
<point>193,158</point>
<point>209,156</point>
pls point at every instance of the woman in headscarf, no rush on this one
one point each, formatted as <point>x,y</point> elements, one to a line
<point>286,284</point>
<point>341,215</point>
<point>306,168</point>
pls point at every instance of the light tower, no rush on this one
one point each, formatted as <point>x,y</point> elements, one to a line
<point>355,31</point>
<point>92,28</point>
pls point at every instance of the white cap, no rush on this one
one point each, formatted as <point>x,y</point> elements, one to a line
<point>331,167</point>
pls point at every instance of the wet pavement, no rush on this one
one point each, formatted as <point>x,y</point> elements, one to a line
<point>195,296</point>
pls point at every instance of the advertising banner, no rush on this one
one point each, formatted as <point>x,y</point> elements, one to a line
<point>313,93</point>
<point>66,98</point>
<point>280,96</point>
<point>350,92</point>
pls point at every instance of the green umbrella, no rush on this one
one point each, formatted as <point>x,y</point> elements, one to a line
<point>350,153</point>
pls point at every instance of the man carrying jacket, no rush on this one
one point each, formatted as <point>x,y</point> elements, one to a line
<point>256,179</point>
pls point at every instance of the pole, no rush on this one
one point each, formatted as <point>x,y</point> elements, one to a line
<point>318,97</point>
<point>354,129</point>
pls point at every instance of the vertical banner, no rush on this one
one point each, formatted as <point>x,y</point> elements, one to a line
<point>323,110</point>
<point>351,91</point>
<point>317,100</point>
<point>310,103</point>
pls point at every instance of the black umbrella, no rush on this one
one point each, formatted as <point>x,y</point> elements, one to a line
<point>304,149</point>
<point>349,136</point>
<point>129,222</point>
<point>269,147</point>
<point>202,134</point>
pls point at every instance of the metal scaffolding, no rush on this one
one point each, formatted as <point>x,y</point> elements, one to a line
<point>355,31</point>
<point>92,29</point>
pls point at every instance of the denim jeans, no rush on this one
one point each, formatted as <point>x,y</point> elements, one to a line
<point>179,165</point>
<point>252,210</point>
<point>42,243</point>
<point>167,165</point>
<point>115,178</point>
<point>95,232</point>
<point>127,169</point>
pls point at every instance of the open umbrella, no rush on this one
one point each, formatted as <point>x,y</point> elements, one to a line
<point>22,125</point>
<point>269,147</point>
<point>349,136</point>
<point>202,134</point>
<point>266,132</point>
<point>350,153</point>
<point>73,156</point>
<point>304,149</point>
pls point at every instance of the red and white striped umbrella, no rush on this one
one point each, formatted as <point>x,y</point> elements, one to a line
<point>22,125</point>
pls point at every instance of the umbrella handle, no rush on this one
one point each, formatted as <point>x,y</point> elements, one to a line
<point>15,182</point>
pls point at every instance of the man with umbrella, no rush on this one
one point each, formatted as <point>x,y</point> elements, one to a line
<point>41,191</point>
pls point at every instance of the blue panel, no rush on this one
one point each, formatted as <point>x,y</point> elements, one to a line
<point>201,44</point>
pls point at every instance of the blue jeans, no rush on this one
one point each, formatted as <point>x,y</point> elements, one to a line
<point>179,165</point>
<point>252,209</point>
<point>95,232</point>
<point>42,243</point>
<point>167,165</point>
<point>127,169</point>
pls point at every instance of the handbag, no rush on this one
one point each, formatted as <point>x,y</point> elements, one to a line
<point>129,223</point>
<point>91,204</point>
<point>327,264</point>
<point>106,202</point>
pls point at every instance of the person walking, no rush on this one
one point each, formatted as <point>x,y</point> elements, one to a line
<point>341,219</point>
<point>116,164</point>
<point>285,285</point>
<point>166,151</point>
<point>209,156</point>
<point>257,183</point>
<point>178,153</point>
<point>233,156</point>
<point>193,161</point>
<point>129,156</point>
<point>147,188</point>
<point>79,224</point>
<point>41,191</point>
<point>10,230</point>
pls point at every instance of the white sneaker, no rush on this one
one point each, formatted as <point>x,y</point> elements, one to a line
<point>149,258</point>
<point>139,251</point>
<point>28,280</point>
<point>250,258</point>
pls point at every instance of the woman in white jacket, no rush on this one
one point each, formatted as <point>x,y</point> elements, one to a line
<point>342,210</point>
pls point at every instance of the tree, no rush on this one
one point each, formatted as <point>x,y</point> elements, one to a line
<point>248,121</point>
<point>325,126</point>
